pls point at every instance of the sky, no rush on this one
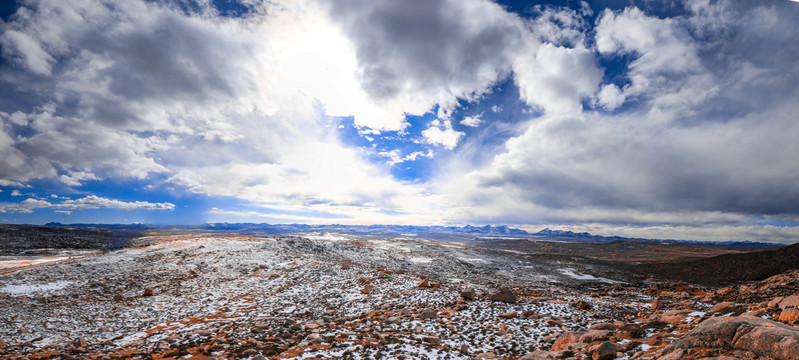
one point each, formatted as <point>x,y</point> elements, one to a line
<point>657,119</point>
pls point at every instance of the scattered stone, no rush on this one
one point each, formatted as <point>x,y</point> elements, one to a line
<point>367,289</point>
<point>529,314</point>
<point>582,305</point>
<point>433,340</point>
<point>79,342</point>
<point>505,295</point>
<point>655,304</point>
<point>468,294</point>
<point>148,292</point>
<point>429,314</point>
<point>509,315</point>
<point>486,355</point>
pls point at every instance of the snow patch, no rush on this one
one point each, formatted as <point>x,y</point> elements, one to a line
<point>25,289</point>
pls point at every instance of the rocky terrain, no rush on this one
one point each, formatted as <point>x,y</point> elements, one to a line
<point>324,295</point>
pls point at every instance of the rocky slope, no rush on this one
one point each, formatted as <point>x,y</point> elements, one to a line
<point>328,296</point>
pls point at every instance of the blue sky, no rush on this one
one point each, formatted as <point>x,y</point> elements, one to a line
<point>634,118</point>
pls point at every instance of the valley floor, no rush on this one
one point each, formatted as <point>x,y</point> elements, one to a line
<point>327,296</point>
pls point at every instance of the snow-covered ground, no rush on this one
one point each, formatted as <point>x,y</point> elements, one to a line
<point>326,296</point>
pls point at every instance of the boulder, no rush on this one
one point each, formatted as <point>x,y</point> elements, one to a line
<point>775,302</point>
<point>486,355</point>
<point>675,316</point>
<point>582,305</point>
<point>468,294</point>
<point>148,292</point>
<point>766,338</point>
<point>505,295</point>
<point>596,335</point>
<point>655,304</point>
<point>509,315</point>
<point>79,342</point>
<point>603,326</point>
<point>529,314</point>
<point>790,315</point>
<point>429,314</point>
<point>790,301</point>
<point>723,307</point>
<point>541,355</point>
<point>565,339</point>
<point>605,351</point>
<point>433,340</point>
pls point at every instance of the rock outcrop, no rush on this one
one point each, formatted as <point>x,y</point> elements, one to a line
<point>761,336</point>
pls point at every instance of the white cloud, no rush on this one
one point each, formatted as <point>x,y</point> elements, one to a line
<point>557,78</point>
<point>77,178</point>
<point>88,202</point>
<point>442,134</point>
<point>472,121</point>
<point>395,156</point>
<point>16,193</point>
<point>610,97</point>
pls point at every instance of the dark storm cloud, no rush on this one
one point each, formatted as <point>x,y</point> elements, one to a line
<point>415,46</point>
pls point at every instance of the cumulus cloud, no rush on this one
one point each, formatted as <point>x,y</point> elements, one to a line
<point>88,202</point>
<point>557,78</point>
<point>414,55</point>
<point>442,133</point>
<point>691,149</point>
<point>472,121</point>
<point>695,125</point>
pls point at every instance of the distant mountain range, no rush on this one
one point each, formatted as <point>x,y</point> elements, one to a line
<point>434,232</point>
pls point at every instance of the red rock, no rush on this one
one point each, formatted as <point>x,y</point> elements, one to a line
<point>367,289</point>
<point>509,315</point>
<point>675,316</point>
<point>723,307</point>
<point>582,305</point>
<point>595,335</point>
<point>530,314</point>
<point>790,315</point>
<point>605,351</point>
<point>565,339</point>
<point>468,294</point>
<point>433,340</point>
<point>603,326</point>
<point>655,304</point>
<point>486,355</point>
<point>504,296</point>
<point>79,342</point>
<point>766,338</point>
<point>775,302</point>
<point>541,355</point>
<point>429,314</point>
<point>148,292</point>
<point>790,301</point>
